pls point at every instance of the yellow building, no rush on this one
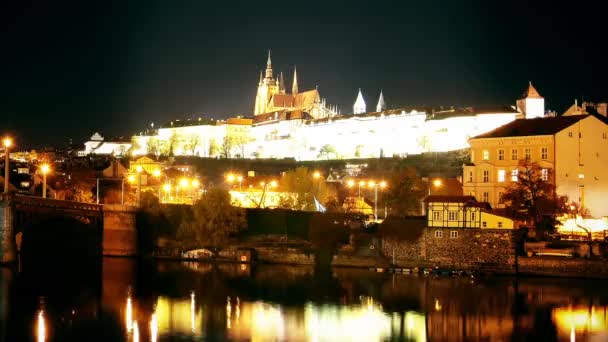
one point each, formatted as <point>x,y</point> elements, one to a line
<point>570,148</point>
<point>462,212</point>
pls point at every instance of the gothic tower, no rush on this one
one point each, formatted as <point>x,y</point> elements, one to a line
<point>359,106</point>
<point>294,87</point>
<point>381,106</point>
<point>267,87</point>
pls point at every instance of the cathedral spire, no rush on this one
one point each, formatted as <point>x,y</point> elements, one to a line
<point>381,106</point>
<point>269,67</point>
<point>359,107</point>
<point>282,84</point>
<point>260,76</point>
<point>294,87</point>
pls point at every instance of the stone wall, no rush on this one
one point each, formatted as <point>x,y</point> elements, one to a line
<point>563,267</point>
<point>472,249</point>
<point>7,240</point>
<point>119,230</point>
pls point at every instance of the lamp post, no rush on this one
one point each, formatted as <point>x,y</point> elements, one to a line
<point>373,184</point>
<point>316,176</point>
<point>139,170</point>
<point>7,142</point>
<point>239,178</point>
<point>436,183</point>
<point>44,169</point>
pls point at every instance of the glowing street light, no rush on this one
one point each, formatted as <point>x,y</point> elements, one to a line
<point>350,183</point>
<point>156,173</point>
<point>184,183</point>
<point>195,183</point>
<point>437,183</point>
<point>375,185</point>
<point>7,142</point>
<point>274,184</point>
<point>45,168</point>
<point>316,175</point>
<point>230,178</point>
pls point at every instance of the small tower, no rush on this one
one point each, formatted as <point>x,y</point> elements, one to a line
<point>269,67</point>
<point>381,106</point>
<point>282,84</point>
<point>532,105</point>
<point>359,107</point>
<point>294,87</point>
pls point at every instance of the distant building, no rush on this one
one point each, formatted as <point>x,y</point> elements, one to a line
<point>532,105</point>
<point>572,147</point>
<point>99,146</point>
<point>462,212</point>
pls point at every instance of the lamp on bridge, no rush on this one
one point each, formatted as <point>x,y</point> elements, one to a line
<point>7,142</point>
<point>44,169</point>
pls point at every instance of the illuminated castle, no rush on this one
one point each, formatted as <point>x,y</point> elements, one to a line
<point>302,126</point>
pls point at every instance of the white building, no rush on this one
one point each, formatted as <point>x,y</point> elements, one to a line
<point>100,146</point>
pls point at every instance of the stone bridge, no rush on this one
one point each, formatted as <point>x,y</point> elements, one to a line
<point>54,227</point>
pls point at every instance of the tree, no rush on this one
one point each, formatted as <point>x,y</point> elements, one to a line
<point>172,144</point>
<point>533,198</point>
<point>214,148</point>
<point>405,192</point>
<point>154,147</point>
<point>228,144</point>
<point>192,143</point>
<point>327,151</point>
<point>213,221</point>
<point>301,188</point>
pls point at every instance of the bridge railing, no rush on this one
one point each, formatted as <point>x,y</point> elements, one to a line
<point>55,204</point>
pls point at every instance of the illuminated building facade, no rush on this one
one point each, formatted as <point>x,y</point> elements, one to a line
<point>101,146</point>
<point>302,126</point>
<point>570,148</point>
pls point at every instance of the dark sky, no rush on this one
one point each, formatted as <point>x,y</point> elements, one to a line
<point>71,68</point>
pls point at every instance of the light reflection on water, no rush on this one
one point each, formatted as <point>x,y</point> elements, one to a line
<point>162,302</point>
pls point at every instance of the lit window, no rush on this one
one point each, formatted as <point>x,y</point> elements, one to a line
<point>486,155</point>
<point>452,216</point>
<point>500,224</point>
<point>514,154</point>
<point>484,224</point>
<point>501,154</point>
<point>544,153</point>
<point>527,154</point>
<point>436,216</point>
<point>470,176</point>
<point>453,234</point>
<point>501,175</point>
<point>544,174</point>
<point>485,196</point>
<point>438,234</point>
<point>486,176</point>
<point>514,174</point>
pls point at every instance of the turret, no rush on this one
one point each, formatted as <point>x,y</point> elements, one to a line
<point>359,106</point>
<point>269,67</point>
<point>381,106</point>
<point>294,87</point>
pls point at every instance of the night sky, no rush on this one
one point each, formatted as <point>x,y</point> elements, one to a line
<point>70,69</point>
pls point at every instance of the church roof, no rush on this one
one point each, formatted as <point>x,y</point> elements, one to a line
<point>531,92</point>
<point>281,115</point>
<point>533,127</point>
<point>300,100</point>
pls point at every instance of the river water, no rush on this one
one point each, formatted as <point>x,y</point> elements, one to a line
<point>123,300</point>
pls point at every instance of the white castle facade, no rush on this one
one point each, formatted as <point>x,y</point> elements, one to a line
<point>303,126</point>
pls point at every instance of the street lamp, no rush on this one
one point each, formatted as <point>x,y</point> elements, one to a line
<point>139,170</point>
<point>373,184</point>
<point>361,183</point>
<point>44,169</point>
<point>7,142</point>
<point>436,183</point>
<point>239,178</point>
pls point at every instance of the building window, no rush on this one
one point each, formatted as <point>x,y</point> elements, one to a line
<point>473,216</point>
<point>514,174</point>
<point>514,154</point>
<point>499,224</point>
<point>486,155</point>
<point>484,224</point>
<point>501,175</point>
<point>453,234</point>
<point>470,176</point>
<point>500,197</point>
<point>604,135</point>
<point>436,216</point>
<point>438,234</point>
<point>452,216</point>
<point>527,154</point>
<point>485,196</point>
<point>486,176</point>
<point>501,154</point>
<point>544,174</point>
<point>544,153</point>
<point>570,134</point>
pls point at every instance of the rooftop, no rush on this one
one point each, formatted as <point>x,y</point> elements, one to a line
<point>532,127</point>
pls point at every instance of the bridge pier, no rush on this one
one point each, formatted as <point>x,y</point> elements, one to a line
<point>119,230</point>
<point>8,249</point>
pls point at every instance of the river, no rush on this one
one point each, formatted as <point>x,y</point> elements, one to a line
<point>125,300</point>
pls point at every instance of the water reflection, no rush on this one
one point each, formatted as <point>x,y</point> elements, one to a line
<point>158,302</point>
